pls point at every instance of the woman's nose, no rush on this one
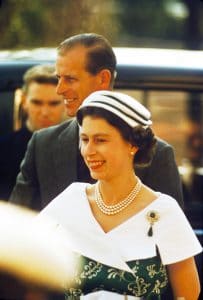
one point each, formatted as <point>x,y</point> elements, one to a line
<point>90,149</point>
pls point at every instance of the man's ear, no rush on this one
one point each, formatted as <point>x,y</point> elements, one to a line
<point>23,101</point>
<point>19,104</point>
<point>105,79</point>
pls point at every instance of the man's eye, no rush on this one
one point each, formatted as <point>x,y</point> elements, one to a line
<point>36,102</point>
<point>84,140</point>
<point>70,79</point>
<point>55,103</point>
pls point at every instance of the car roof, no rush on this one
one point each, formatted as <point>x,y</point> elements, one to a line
<point>146,68</point>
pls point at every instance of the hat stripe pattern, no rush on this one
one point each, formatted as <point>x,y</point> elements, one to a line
<point>127,115</point>
<point>131,108</point>
<point>122,105</point>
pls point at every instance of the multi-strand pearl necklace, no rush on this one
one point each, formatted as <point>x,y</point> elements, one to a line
<point>114,209</point>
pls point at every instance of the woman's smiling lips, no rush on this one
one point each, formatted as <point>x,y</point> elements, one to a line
<point>95,164</point>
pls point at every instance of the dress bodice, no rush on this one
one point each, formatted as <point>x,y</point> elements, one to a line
<point>148,279</point>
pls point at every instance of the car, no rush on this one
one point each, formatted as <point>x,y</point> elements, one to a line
<point>167,81</point>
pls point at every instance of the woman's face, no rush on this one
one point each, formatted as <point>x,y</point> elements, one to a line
<point>104,150</point>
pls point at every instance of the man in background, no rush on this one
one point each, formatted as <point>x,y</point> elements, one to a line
<point>41,107</point>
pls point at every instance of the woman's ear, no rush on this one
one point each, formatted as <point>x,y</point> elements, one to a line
<point>133,150</point>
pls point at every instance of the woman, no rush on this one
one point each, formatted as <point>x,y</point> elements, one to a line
<point>132,240</point>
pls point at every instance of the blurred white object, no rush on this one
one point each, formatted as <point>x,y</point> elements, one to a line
<point>31,250</point>
<point>105,295</point>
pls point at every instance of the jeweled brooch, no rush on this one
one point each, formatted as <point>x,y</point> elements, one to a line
<point>152,217</point>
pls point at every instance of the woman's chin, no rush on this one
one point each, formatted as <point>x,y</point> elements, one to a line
<point>95,176</point>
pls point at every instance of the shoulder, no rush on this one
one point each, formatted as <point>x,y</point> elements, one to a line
<point>162,144</point>
<point>167,212</point>
<point>166,204</point>
<point>170,215</point>
<point>74,189</point>
<point>15,137</point>
<point>54,131</point>
<point>173,233</point>
<point>164,151</point>
<point>7,138</point>
<point>65,202</point>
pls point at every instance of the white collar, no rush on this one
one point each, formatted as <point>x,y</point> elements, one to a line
<point>72,212</point>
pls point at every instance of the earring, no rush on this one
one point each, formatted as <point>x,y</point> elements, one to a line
<point>132,152</point>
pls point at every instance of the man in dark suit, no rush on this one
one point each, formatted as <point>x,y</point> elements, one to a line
<point>85,63</point>
<point>41,107</point>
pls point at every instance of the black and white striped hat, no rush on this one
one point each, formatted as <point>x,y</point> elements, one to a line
<point>124,106</point>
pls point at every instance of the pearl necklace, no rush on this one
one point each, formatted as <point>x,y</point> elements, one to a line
<point>115,209</point>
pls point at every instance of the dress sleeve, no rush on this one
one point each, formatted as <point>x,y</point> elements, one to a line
<point>174,235</point>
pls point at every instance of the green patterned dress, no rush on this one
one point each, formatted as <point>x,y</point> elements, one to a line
<point>148,280</point>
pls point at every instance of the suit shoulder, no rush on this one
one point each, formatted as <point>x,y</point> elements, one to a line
<point>52,131</point>
<point>161,144</point>
<point>15,137</point>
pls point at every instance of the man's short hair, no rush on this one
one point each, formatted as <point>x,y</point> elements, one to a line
<point>40,74</point>
<point>100,54</point>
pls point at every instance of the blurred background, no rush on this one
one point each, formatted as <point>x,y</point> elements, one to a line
<point>134,23</point>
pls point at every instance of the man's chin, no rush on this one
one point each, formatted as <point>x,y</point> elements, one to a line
<point>71,112</point>
<point>71,115</point>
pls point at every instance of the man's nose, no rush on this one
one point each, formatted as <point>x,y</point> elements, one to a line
<point>61,86</point>
<point>45,110</point>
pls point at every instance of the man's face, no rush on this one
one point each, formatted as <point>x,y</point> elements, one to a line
<point>75,83</point>
<point>43,106</point>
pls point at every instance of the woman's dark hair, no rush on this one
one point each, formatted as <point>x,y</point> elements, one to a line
<point>143,138</point>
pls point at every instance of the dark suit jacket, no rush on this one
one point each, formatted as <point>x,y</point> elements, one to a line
<point>12,151</point>
<point>51,164</point>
